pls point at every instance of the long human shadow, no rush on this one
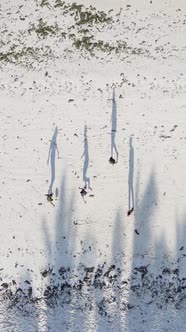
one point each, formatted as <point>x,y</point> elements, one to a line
<point>52,158</point>
<point>114,152</point>
<point>131,178</point>
<point>59,251</point>
<point>180,233</point>
<point>181,259</point>
<point>85,154</point>
<point>144,210</point>
<point>166,280</point>
<point>142,238</point>
<point>157,283</point>
<point>118,248</point>
<point>37,314</point>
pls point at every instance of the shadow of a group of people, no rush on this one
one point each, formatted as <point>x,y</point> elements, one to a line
<point>99,294</point>
<point>54,151</point>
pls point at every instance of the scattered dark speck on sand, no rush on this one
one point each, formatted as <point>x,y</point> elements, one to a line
<point>5,285</point>
<point>27,282</point>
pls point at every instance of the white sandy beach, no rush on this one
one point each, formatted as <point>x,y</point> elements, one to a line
<point>80,263</point>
